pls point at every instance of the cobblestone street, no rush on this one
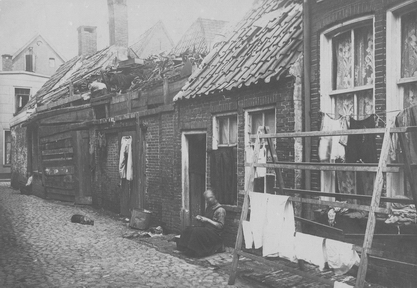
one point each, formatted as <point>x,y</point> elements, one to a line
<point>40,247</point>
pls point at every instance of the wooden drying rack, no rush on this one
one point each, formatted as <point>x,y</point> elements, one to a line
<point>373,208</point>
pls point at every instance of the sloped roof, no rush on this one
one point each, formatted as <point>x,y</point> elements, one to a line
<point>146,37</point>
<point>262,47</point>
<point>199,37</point>
<point>37,36</point>
<point>72,71</point>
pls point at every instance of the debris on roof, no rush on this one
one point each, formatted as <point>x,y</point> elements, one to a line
<point>262,47</point>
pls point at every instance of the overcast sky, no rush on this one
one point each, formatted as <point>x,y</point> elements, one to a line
<point>58,20</point>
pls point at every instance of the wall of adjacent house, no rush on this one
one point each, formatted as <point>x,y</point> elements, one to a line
<point>19,156</point>
<point>326,14</point>
<point>8,82</point>
<point>42,53</point>
<point>198,115</point>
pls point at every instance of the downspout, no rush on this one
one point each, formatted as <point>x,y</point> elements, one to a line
<point>307,100</point>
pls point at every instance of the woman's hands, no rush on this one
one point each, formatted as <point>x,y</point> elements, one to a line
<point>201,218</point>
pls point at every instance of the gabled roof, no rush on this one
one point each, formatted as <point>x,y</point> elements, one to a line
<point>199,37</point>
<point>262,47</point>
<point>146,37</point>
<point>38,36</point>
<point>75,70</point>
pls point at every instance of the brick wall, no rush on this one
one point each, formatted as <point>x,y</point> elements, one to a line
<point>106,192</point>
<point>198,114</point>
<point>326,14</point>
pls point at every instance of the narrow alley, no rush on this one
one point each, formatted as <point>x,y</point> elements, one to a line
<point>40,247</point>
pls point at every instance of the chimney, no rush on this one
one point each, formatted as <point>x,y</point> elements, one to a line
<point>87,40</point>
<point>7,62</point>
<point>118,22</point>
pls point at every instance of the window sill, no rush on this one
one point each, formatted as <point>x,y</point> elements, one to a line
<point>351,90</point>
<point>406,80</point>
<point>226,145</point>
<point>7,165</point>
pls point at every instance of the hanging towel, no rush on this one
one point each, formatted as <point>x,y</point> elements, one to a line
<point>310,249</point>
<point>279,228</point>
<point>247,234</point>
<point>125,158</point>
<point>340,256</point>
<point>338,284</point>
<point>258,202</point>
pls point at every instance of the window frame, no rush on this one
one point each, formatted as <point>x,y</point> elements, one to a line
<point>248,130</point>
<point>216,130</point>
<point>17,99</point>
<point>394,82</point>
<point>327,93</point>
<point>4,148</point>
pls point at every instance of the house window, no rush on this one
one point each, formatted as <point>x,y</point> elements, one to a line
<point>21,98</point>
<point>7,157</point>
<point>264,177</point>
<point>352,71</point>
<point>52,62</point>
<point>29,63</point>
<point>401,74</point>
<point>225,132</point>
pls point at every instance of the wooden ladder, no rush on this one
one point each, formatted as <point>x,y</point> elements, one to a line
<point>372,208</point>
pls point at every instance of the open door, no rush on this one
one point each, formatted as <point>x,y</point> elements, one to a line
<point>126,186</point>
<point>194,176</point>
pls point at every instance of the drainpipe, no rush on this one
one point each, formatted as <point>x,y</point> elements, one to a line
<point>307,100</point>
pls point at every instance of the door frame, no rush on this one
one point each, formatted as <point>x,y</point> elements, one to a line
<point>185,178</point>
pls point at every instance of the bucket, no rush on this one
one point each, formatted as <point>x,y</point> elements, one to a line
<point>140,219</point>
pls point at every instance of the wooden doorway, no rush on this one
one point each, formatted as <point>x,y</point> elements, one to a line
<point>194,175</point>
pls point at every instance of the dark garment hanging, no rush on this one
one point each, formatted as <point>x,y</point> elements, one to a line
<point>223,174</point>
<point>408,117</point>
<point>361,148</point>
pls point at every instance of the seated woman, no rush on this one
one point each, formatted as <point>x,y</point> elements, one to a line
<point>205,240</point>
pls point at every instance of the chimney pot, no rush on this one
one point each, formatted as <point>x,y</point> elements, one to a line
<point>118,24</point>
<point>87,40</point>
<point>7,62</point>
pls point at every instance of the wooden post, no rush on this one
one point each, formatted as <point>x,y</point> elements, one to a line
<point>245,208</point>
<point>274,157</point>
<point>376,196</point>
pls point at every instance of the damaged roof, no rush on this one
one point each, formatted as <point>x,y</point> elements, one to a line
<point>73,71</point>
<point>199,37</point>
<point>261,48</point>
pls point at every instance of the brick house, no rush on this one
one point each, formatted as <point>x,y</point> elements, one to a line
<point>21,76</point>
<point>363,63</point>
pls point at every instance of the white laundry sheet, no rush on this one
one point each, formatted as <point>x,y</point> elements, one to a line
<point>310,248</point>
<point>340,256</point>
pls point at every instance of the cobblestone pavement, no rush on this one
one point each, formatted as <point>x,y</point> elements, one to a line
<point>40,247</point>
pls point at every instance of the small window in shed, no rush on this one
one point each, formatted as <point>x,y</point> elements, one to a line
<point>101,111</point>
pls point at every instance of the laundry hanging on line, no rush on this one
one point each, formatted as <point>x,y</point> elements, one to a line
<point>125,158</point>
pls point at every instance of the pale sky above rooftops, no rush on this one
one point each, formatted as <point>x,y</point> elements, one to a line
<point>58,20</point>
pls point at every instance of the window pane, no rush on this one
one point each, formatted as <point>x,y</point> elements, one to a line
<point>223,131</point>
<point>344,105</point>
<point>410,95</point>
<point>270,120</point>
<point>270,184</point>
<point>409,45</point>
<point>342,46</point>
<point>233,130</point>
<point>256,122</point>
<point>365,104</point>
<point>364,56</point>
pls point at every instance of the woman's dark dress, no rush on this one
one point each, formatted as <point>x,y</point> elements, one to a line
<point>205,240</point>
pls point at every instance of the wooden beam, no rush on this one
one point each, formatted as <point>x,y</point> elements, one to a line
<point>337,132</point>
<point>376,196</point>
<point>348,196</point>
<point>319,166</point>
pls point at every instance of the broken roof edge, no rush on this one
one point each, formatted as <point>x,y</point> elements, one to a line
<point>273,80</point>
